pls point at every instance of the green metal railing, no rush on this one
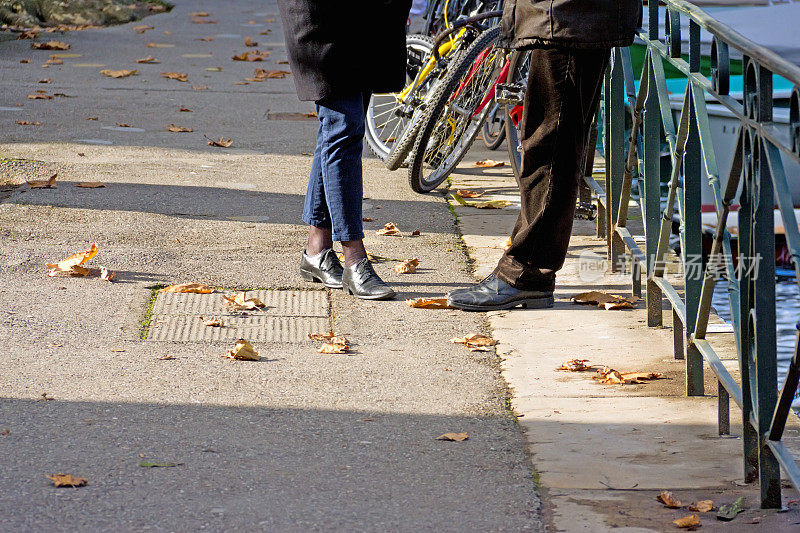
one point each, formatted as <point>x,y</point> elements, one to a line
<point>755,178</point>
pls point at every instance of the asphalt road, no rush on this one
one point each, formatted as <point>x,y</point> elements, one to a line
<point>298,441</point>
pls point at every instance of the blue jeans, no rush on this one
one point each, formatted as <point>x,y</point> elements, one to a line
<point>335,187</point>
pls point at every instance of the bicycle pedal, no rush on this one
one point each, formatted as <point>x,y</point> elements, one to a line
<point>585,211</point>
<point>510,94</point>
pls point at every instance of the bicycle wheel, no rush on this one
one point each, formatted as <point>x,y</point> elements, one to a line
<point>386,115</point>
<point>517,75</point>
<point>494,129</point>
<point>456,113</point>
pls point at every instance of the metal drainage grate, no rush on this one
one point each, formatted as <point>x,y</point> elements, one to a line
<point>290,316</point>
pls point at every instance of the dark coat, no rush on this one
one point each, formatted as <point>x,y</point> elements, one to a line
<point>570,23</point>
<point>338,48</point>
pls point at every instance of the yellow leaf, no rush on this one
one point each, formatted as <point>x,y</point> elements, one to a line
<point>118,73</point>
<point>66,480</point>
<point>429,303</point>
<point>476,339</point>
<point>489,163</point>
<point>248,41</point>
<point>703,506</point>
<point>27,123</point>
<point>179,76</point>
<point>335,345</point>
<point>243,351</point>
<point>142,29</point>
<point>193,288</point>
<point>409,266</point>
<point>389,229</point>
<point>70,264</point>
<point>453,437</point>
<point>668,500</point>
<point>252,55</point>
<point>687,521</point>
<point>490,204</point>
<point>321,336</point>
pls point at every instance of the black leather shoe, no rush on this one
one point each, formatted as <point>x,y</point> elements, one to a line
<point>493,294</point>
<point>322,268</point>
<point>362,281</point>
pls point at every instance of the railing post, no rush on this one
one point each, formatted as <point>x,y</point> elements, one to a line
<point>615,152</point>
<point>652,190</point>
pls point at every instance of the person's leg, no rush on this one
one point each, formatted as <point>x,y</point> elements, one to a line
<point>315,210</point>
<point>561,97</point>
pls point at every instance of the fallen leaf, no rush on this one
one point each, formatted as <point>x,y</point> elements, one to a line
<point>243,351</point>
<point>200,87</point>
<point>50,45</point>
<point>90,184</point>
<point>49,183</point>
<point>24,60</point>
<point>92,118</point>
<point>703,506</point>
<point>27,123</point>
<point>148,59</point>
<point>30,34</point>
<point>687,522</point>
<point>200,14</point>
<point>489,163</point>
<point>5,432</point>
<point>200,20</point>
<point>145,464</point>
<point>469,193</point>
<point>166,358</point>
<point>284,62</point>
<point>240,302</point>
<point>453,437</point>
<point>321,336</point>
<point>365,219</point>
<point>248,41</point>
<point>178,129</point>
<point>179,76</point>
<point>62,95</point>
<point>609,376</point>
<point>269,21</point>
<point>71,265</point>
<point>476,341</point>
<point>252,55</point>
<point>45,397</point>
<point>193,288</point>
<point>212,321</point>
<point>429,303</point>
<point>221,142</point>
<point>491,204</point>
<point>107,275</point>
<point>604,300</point>
<point>409,266</point>
<point>668,500</point>
<point>389,229</point>
<point>576,365</point>
<point>185,110</point>
<point>142,29</point>
<point>46,80</point>
<point>335,345</point>
<point>214,69</point>
<point>39,96</point>
<point>159,45</point>
<point>416,233</point>
<point>728,512</point>
<point>118,73</point>
<point>205,39</point>
<point>124,125</point>
<point>66,480</point>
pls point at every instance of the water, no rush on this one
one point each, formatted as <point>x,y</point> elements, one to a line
<point>787,308</point>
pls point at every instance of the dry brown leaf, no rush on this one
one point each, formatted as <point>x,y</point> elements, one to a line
<point>24,60</point>
<point>159,45</point>
<point>90,185</point>
<point>71,265</point>
<point>489,163</point>
<point>107,275</point>
<point>321,336</point>
<point>475,342</point>
<point>389,229</point>
<point>118,73</point>
<point>200,87</point>
<point>30,34</point>
<point>178,129</point>
<point>185,110</point>
<point>605,300</point>
<point>142,29</point>
<point>124,125</point>
<point>687,522</point>
<point>469,193</point>
<point>39,96</point>
<point>200,14</point>
<point>429,303</point>
<point>49,183</point>
<point>283,62</point>
<point>191,288</point>
<point>248,41</point>
<point>46,80</point>
<point>66,480</point>
<point>453,437</point>
<point>212,321</point>
<point>205,39</point>
<point>261,74</point>
<point>148,59</point>
<point>366,219</point>
<point>178,76</point>
<point>335,345</point>
<point>27,123</point>
<point>240,302</point>
<point>221,142</point>
<point>409,266</point>
<point>50,45</point>
<point>252,55</point>
<point>243,351</point>
<point>703,506</point>
<point>201,20</point>
<point>669,500</point>
<point>576,365</point>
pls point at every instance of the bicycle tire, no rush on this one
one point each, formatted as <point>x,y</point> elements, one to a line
<point>517,73</point>
<point>491,140</point>
<point>438,109</point>
<point>378,143</point>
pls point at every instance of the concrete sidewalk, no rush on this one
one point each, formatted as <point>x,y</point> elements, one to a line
<point>296,442</point>
<point>604,452</point>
